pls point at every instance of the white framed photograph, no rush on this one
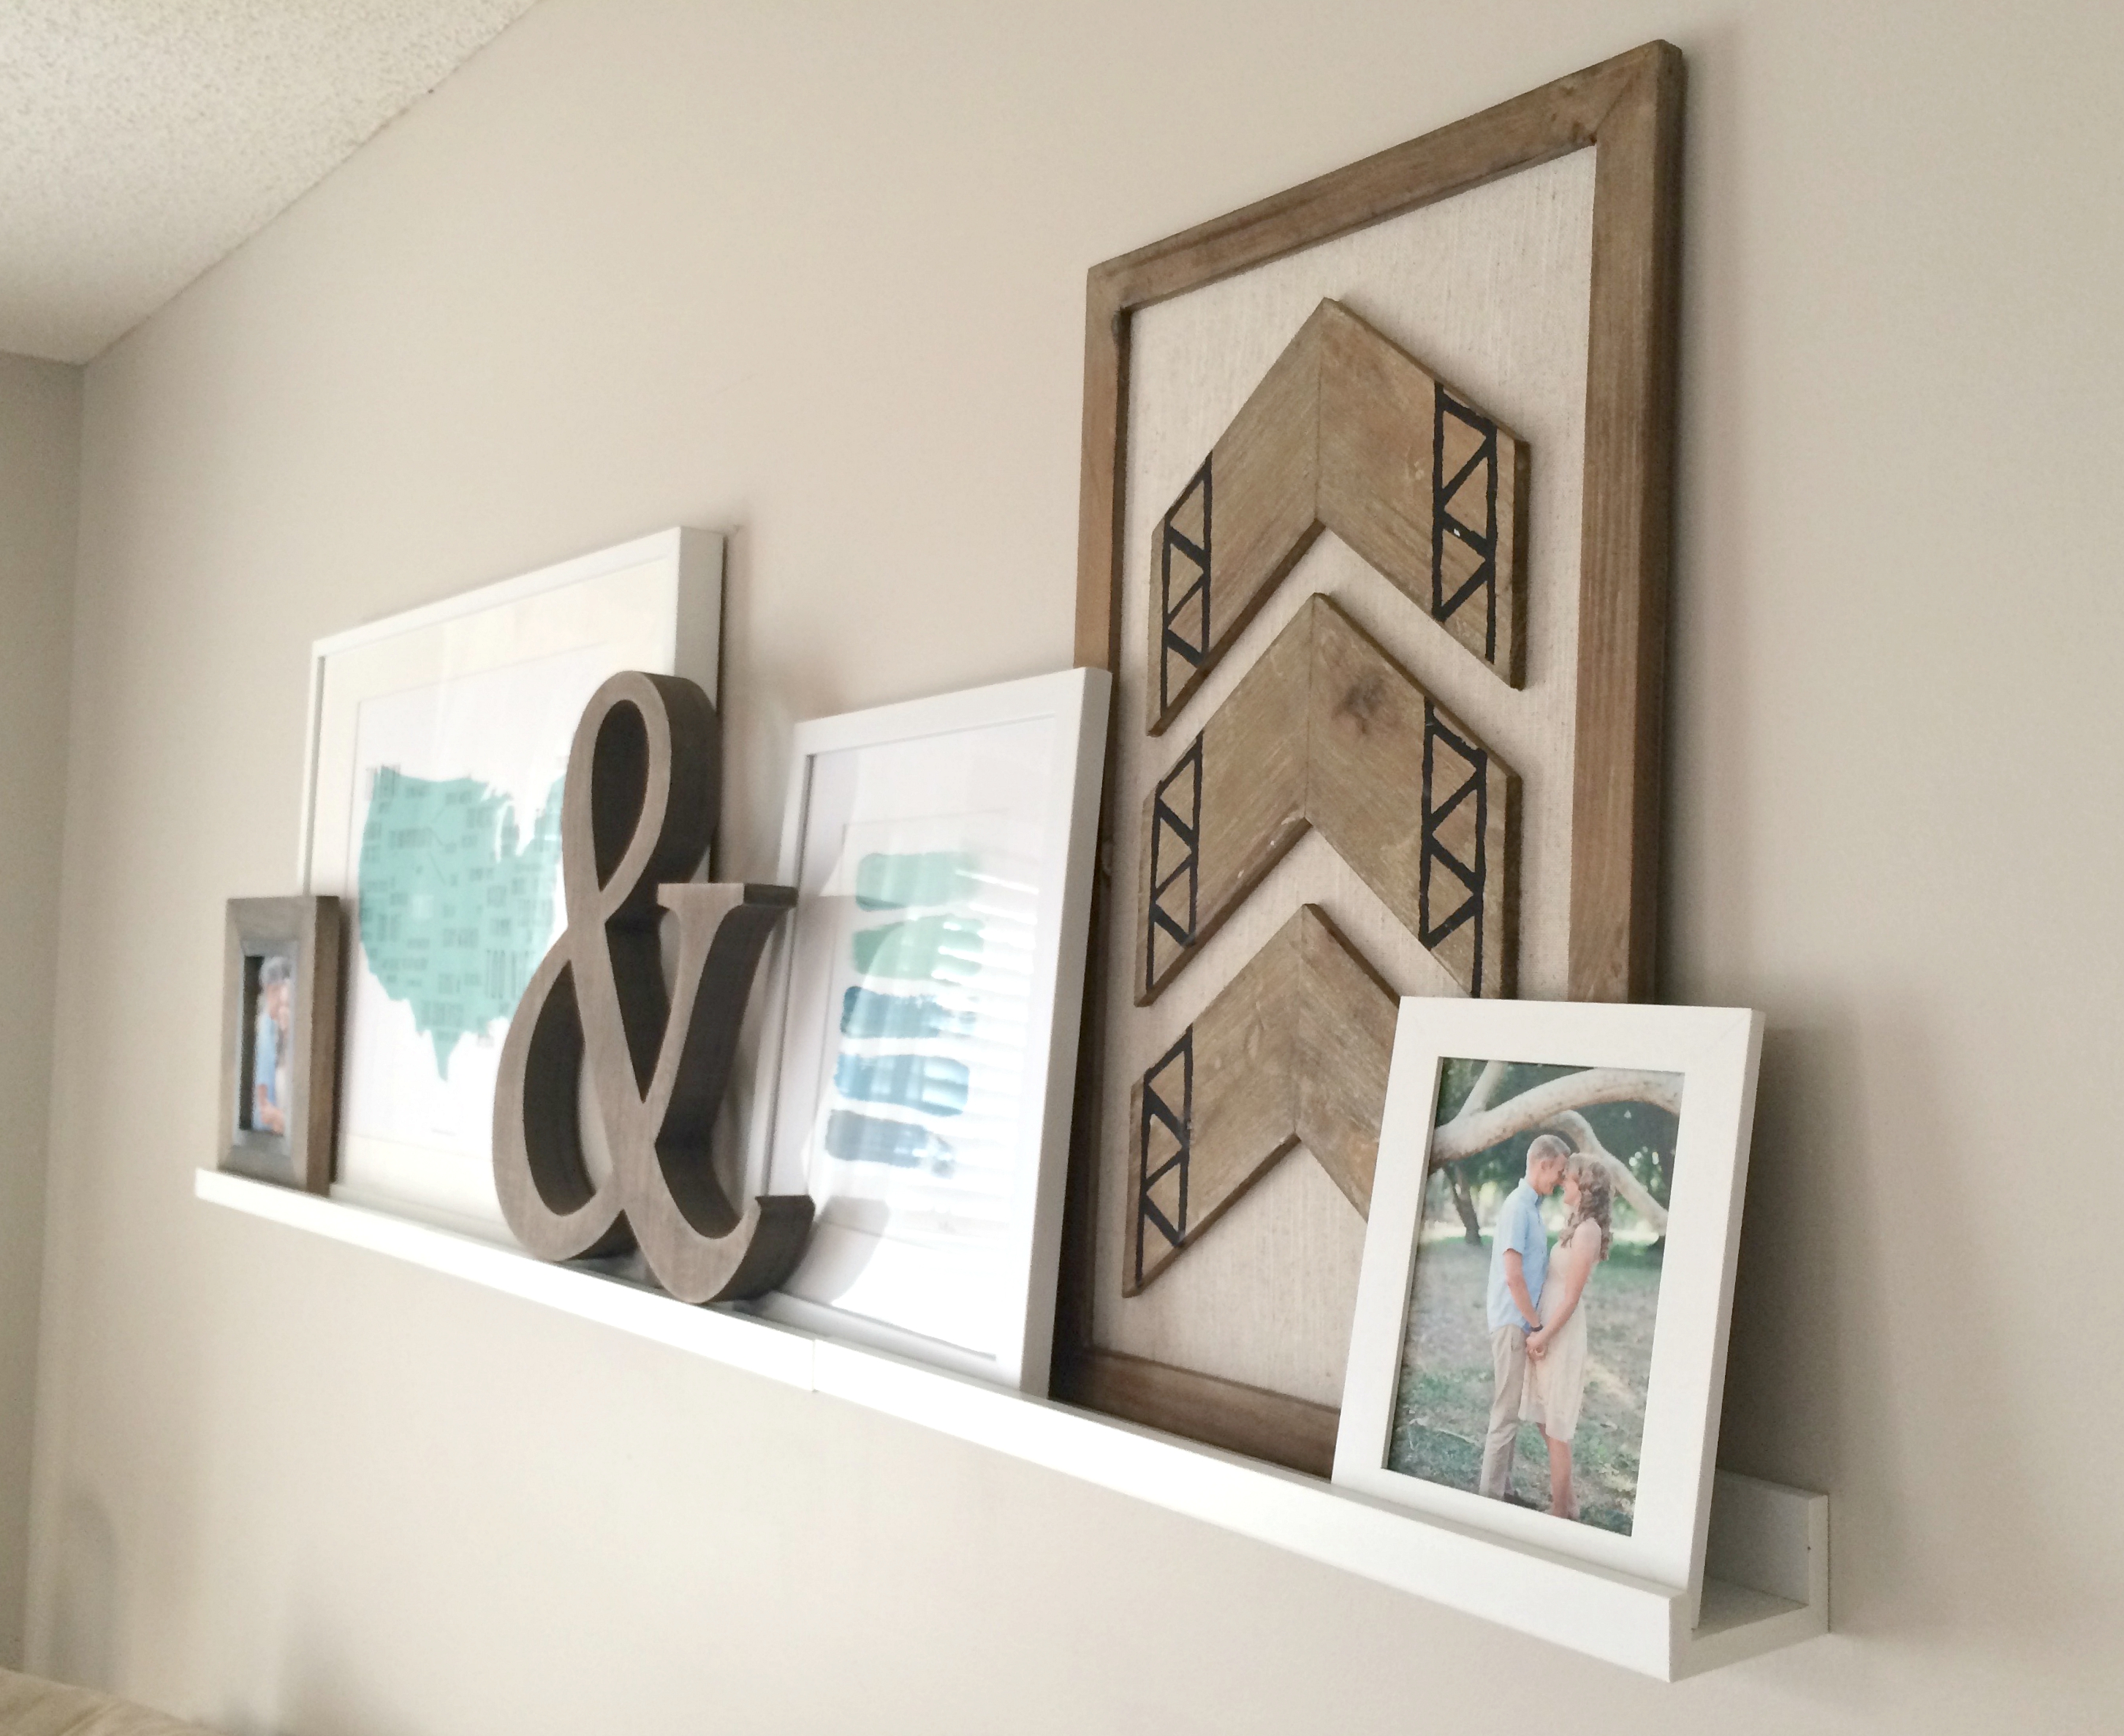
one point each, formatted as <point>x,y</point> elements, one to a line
<point>917,1072</point>
<point>438,745</point>
<point>1539,1345</point>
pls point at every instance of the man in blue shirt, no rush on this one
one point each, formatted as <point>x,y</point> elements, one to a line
<point>1519,1261</point>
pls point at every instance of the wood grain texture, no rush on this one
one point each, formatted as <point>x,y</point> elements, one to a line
<point>318,1029</point>
<point>1627,539</point>
<point>310,932</point>
<point>1101,467</point>
<point>1327,731</point>
<point>1562,116</point>
<point>1294,1051</point>
<point>1566,114</point>
<point>1346,433</point>
<point>1198,1407</point>
<point>1630,107</point>
<point>1426,486</point>
<point>637,815</point>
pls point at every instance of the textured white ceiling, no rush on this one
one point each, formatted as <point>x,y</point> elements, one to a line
<point>141,140</point>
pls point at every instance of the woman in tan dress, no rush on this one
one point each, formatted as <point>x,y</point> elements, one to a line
<point>1556,1353</point>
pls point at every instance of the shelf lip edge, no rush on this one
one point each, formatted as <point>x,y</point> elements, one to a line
<point>1635,1623</point>
<point>1606,1615</point>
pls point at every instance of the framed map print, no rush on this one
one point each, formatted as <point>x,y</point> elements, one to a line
<point>440,745</point>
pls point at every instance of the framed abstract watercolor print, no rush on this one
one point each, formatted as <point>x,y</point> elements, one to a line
<point>917,1073</point>
<point>440,744</point>
<point>1539,1344</point>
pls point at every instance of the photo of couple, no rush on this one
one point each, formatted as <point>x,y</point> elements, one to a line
<point>266,1092</point>
<point>1529,1343</point>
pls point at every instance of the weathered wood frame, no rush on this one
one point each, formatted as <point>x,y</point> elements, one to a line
<point>312,930</point>
<point>1631,107</point>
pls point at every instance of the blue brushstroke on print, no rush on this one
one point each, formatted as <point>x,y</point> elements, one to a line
<point>870,1012</point>
<point>933,1084</point>
<point>867,1139</point>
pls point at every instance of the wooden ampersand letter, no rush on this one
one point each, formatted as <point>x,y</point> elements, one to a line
<point>635,823</point>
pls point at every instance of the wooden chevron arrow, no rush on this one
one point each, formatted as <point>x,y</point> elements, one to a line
<point>1327,730</point>
<point>1347,433</point>
<point>1293,1051</point>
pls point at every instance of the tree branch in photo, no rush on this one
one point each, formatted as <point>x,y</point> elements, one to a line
<point>1485,1088</point>
<point>1465,1135</point>
<point>1478,1127</point>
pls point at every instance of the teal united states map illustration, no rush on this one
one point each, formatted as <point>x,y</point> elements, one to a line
<point>456,907</point>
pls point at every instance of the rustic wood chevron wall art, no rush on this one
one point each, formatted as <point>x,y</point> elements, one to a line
<point>1294,1051</point>
<point>1325,731</point>
<point>1346,433</point>
<point>637,813</point>
<point>1374,538</point>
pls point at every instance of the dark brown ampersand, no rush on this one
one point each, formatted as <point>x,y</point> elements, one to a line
<point>636,819</point>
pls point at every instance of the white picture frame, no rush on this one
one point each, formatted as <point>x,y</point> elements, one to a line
<point>486,687</point>
<point>1715,1052</point>
<point>917,1082</point>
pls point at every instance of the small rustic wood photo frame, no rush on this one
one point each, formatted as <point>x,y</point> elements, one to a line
<point>283,961</point>
<point>1321,720</point>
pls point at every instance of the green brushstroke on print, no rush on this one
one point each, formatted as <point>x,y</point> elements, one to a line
<point>886,881</point>
<point>941,948</point>
<point>456,907</point>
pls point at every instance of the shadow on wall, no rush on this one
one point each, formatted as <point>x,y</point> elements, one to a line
<point>81,1643</point>
<point>316,1691</point>
<point>1862,1251</point>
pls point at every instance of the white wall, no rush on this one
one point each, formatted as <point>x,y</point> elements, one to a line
<point>816,274</point>
<point>40,471</point>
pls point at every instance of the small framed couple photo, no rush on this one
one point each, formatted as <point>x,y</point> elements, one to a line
<point>1540,1345</point>
<point>280,1039</point>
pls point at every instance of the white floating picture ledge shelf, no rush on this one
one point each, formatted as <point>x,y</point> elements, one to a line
<point>1767,1583</point>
